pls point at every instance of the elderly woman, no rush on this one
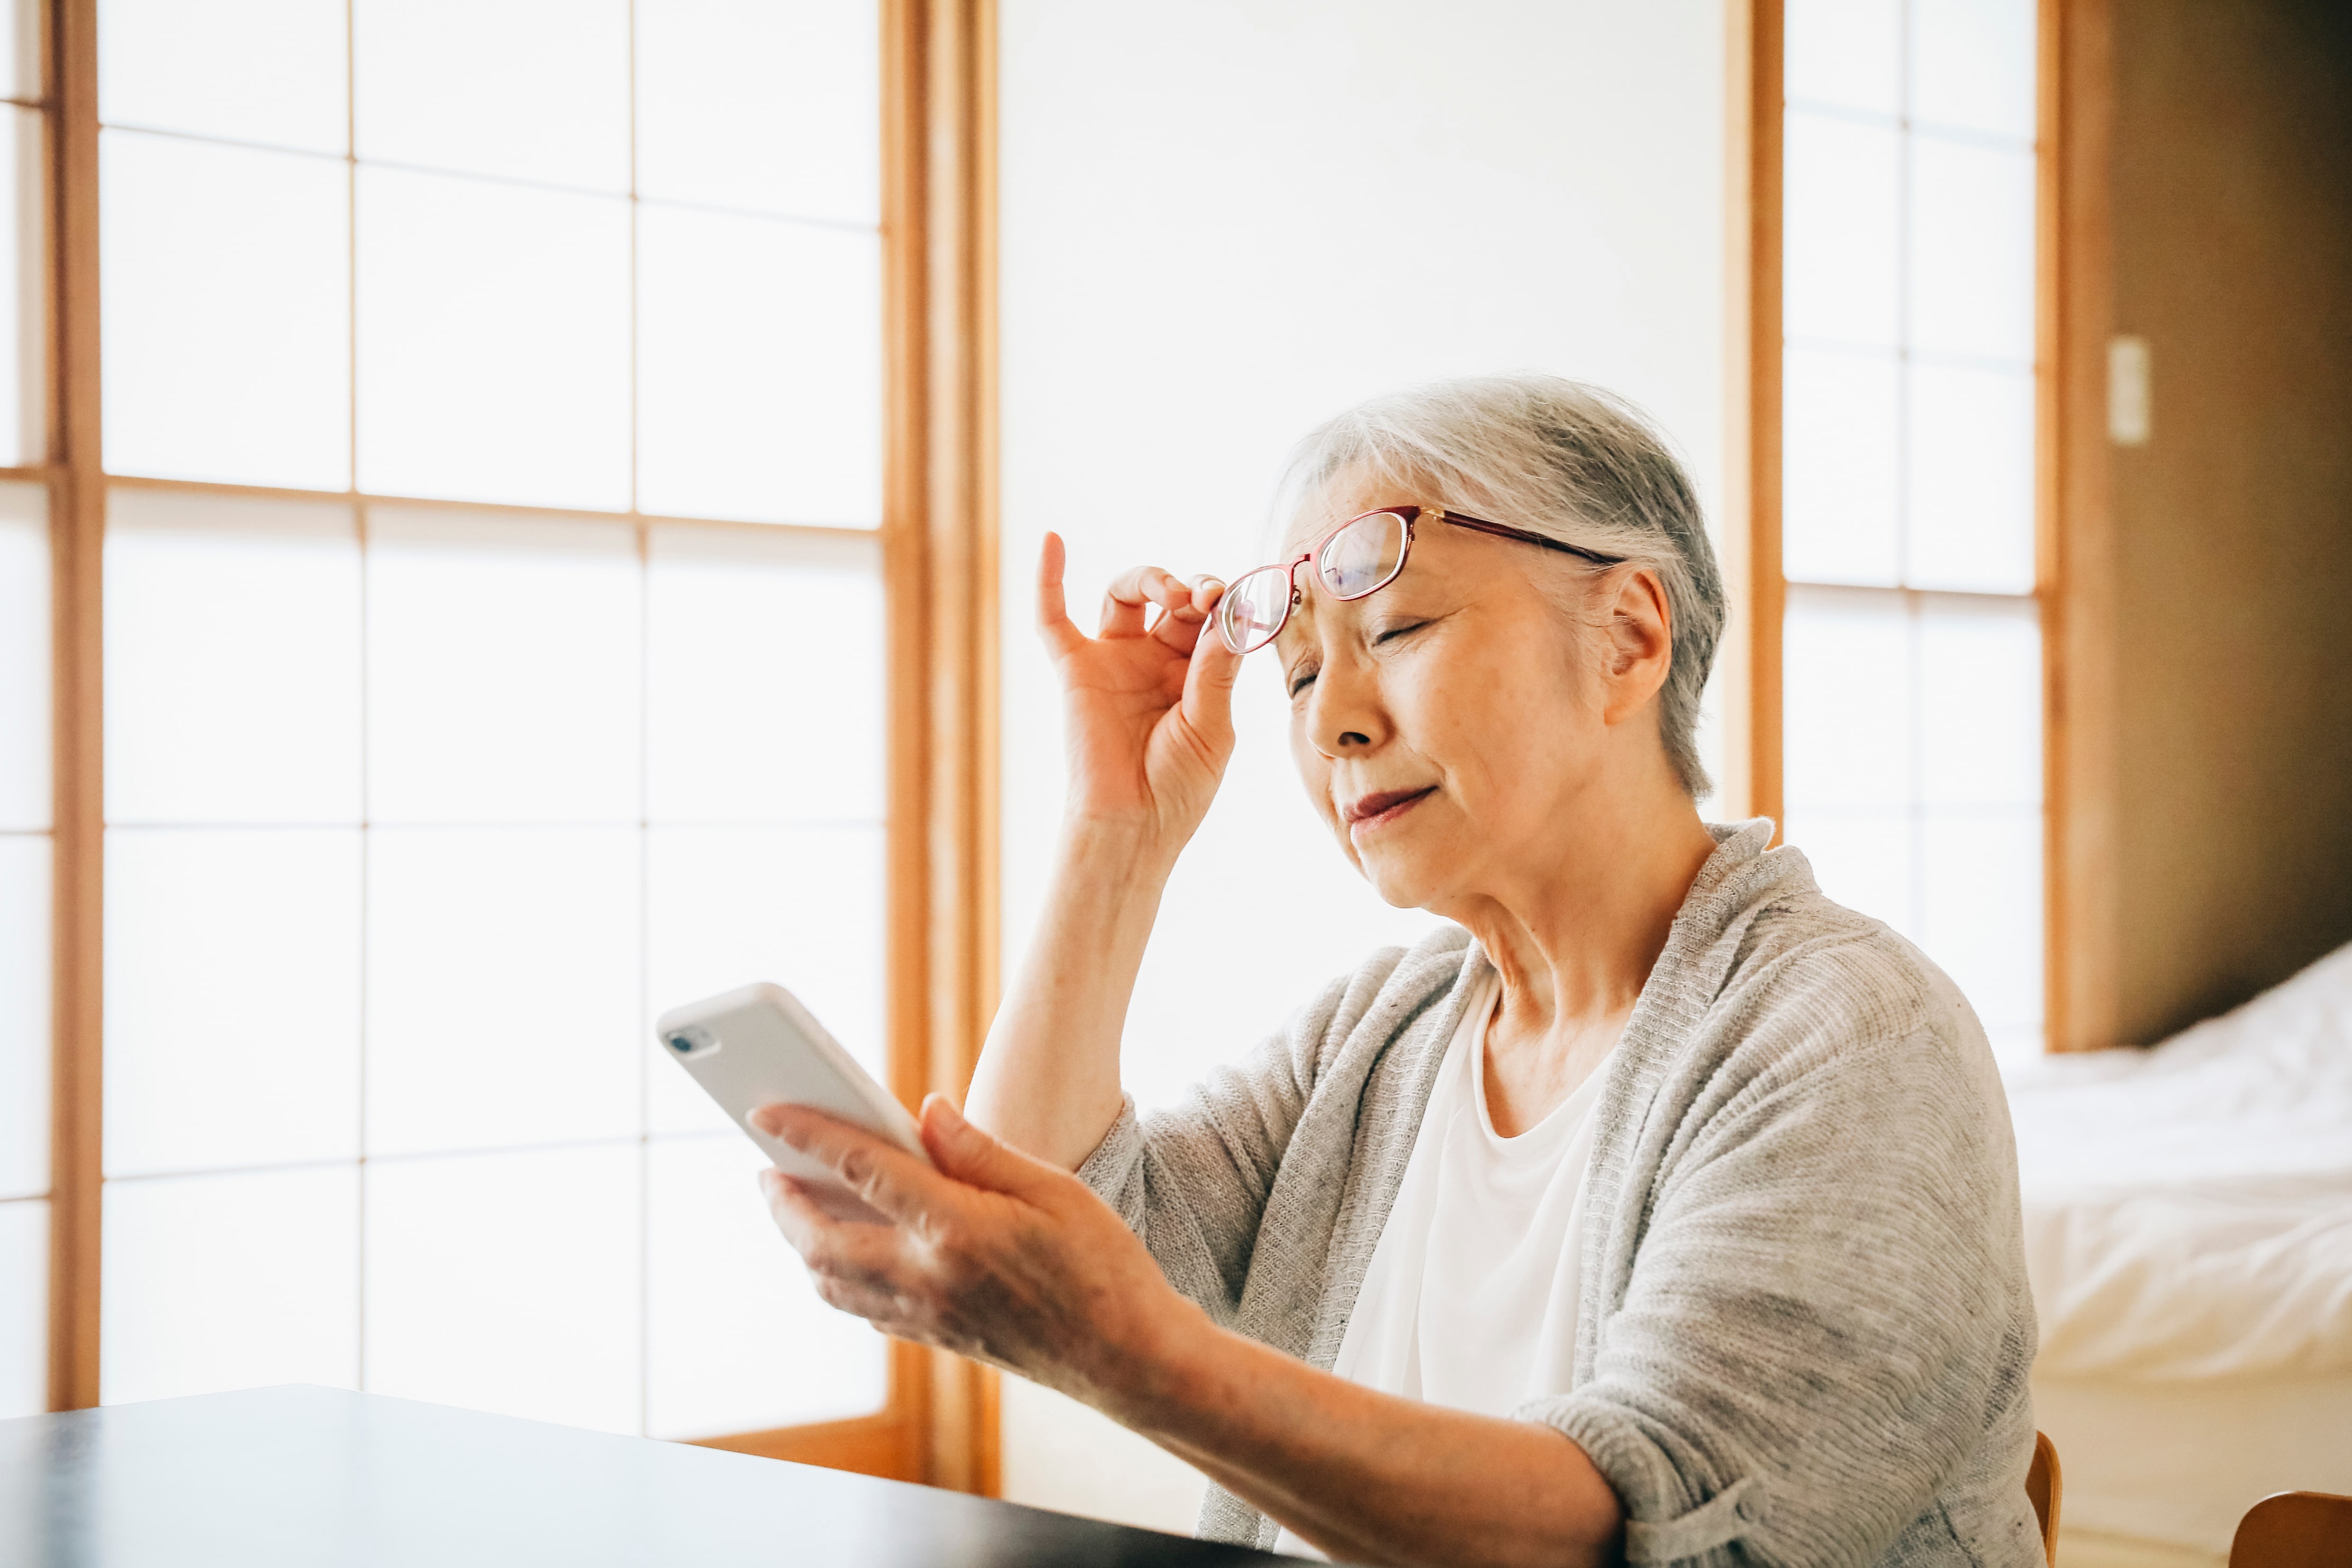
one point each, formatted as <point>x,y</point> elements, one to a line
<point>1656,1207</point>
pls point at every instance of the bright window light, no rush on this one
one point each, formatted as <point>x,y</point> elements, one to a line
<point>24,657</point>
<point>24,290</point>
<point>267,72</point>
<point>25,1042</point>
<point>227,296</point>
<point>547,1325</point>
<point>215,1282</point>
<point>504,960</point>
<point>493,341</point>
<point>232,659</point>
<point>24,1308</point>
<point>516,90</point>
<point>551,694</point>
<point>1912,647</point>
<point>761,108</point>
<point>736,1338</point>
<point>759,368</point>
<point>202,923</point>
<point>504,669</point>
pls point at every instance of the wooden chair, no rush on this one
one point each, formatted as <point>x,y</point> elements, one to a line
<point>2045,1485</point>
<point>2295,1530</point>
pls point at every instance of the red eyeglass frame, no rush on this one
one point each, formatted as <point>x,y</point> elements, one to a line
<point>1412,517</point>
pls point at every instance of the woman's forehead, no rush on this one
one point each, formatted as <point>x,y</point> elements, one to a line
<point>1348,494</point>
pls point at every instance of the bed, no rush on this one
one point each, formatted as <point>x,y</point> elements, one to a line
<point>2189,1230</point>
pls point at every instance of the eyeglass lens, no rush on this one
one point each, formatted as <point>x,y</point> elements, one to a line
<point>1254,608</point>
<point>1360,557</point>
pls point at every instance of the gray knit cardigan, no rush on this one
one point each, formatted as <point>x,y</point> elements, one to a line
<point>1805,1327</point>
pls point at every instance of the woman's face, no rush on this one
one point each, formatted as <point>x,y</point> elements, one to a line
<point>1466,724</point>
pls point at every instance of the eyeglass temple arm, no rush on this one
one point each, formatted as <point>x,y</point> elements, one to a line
<point>1480,526</point>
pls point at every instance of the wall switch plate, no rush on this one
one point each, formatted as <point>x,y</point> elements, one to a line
<point>2128,392</point>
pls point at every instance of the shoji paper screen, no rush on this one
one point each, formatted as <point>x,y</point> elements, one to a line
<point>545,693</point>
<point>1913,705</point>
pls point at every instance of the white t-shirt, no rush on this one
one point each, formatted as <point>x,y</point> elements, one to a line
<point>1471,1297</point>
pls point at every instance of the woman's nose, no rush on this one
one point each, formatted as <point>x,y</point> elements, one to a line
<point>1344,716</point>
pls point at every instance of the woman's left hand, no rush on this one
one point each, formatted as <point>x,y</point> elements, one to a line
<point>992,1254</point>
<point>1016,1262</point>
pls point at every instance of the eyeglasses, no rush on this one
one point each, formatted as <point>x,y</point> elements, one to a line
<point>1354,560</point>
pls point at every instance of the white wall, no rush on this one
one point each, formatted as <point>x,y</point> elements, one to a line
<point>1222,222</point>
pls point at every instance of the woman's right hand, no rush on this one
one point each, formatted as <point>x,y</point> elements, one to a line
<point>1149,708</point>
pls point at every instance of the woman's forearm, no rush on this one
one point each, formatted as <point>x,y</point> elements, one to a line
<point>1048,1081</point>
<point>1367,1476</point>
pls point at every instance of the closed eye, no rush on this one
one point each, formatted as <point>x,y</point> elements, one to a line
<point>1300,679</point>
<point>1393,633</point>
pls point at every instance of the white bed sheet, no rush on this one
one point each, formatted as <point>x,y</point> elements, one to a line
<point>2189,1230</point>
<point>2188,1207</point>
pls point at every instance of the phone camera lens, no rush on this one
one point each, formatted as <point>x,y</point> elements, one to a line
<point>682,1043</point>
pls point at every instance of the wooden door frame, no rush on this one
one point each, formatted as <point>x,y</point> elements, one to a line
<point>2074,534</point>
<point>78,826</point>
<point>2075,291</point>
<point>958,440</point>
<point>939,550</point>
<point>1750,670</point>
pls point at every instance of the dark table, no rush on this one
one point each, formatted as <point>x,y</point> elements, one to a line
<point>317,1477</point>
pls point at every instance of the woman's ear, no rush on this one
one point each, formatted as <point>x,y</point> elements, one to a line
<point>1638,642</point>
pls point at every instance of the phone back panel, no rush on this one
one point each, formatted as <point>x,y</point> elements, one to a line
<point>756,1045</point>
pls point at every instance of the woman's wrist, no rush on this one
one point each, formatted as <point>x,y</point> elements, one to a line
<point>1147,1372</point>
<point>1117,852</point>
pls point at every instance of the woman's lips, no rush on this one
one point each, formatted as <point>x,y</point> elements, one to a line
<point>1377,811</point>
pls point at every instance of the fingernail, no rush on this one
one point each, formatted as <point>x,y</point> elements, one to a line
<point>949,1117</point>
<point>767,1119</point>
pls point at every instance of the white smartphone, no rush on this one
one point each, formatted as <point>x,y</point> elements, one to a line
<point>756,1045</point>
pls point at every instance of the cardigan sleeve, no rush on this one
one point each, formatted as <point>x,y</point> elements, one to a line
<point>1814,1332</point>
<point>1193,1180</point>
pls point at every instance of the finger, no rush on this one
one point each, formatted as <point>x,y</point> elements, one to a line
<point>1182,627</point>
<point>886,1176</point>
<point>803,1224</point>
<point>1125,600</point>
<point>857,1268</point>
<point>886,1310</point>
<point>829,1245</point>
<point>1054,622</point>
<point>791,1219</point>
<point>1208,701</point>
<point>973,1156</point>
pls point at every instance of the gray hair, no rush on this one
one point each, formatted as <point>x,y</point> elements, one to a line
<point>1555,458</point>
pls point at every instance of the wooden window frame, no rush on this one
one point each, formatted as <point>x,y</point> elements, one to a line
<point>2076,316</point>
<point>938,544</point>
<point>2072,537</point>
